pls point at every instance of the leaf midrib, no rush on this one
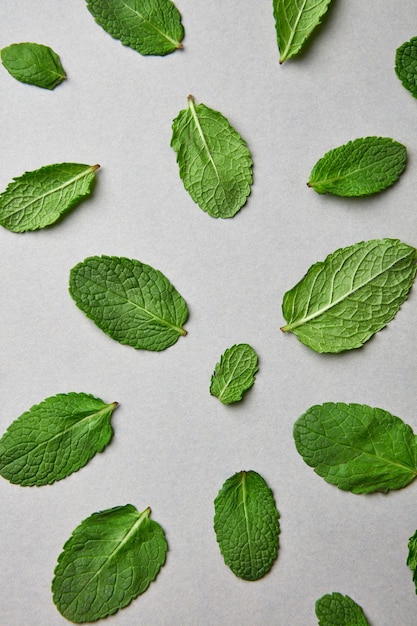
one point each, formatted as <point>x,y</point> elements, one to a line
<point>90,169</point>
<point>191,107</point>
<point>48,441</point>
<point>142,516</point>
<point>155,28</point>
<point>245,509</point>
<point>308,318</point>
<point>160,320</point>
<point>350,173</point>
<point>227,383</point>
<point>293,31</point>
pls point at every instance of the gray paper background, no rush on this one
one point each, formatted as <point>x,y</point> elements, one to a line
<point>174,444</point>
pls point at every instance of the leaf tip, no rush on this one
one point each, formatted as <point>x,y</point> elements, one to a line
<point>95,167</point>
<point>180,46</point>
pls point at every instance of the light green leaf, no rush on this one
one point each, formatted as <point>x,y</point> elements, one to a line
<point>337,610</point>
<point>39,198</point>
<point>234,374</point>
<point>406,65</point>
<point>55,438</point>
<point>130,301</point>
<point>246,525</point>
<point>345,299</point>
<point>148,26</point>
<point>110,559</point>
<point>357,447</point>
<point>215,164</point>
<point>412,557</point>
<point>34,64</point>
<point>360,167</point>
<point>295,20</point>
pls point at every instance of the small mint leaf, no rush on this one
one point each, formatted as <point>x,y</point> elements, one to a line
<point>33,63</point>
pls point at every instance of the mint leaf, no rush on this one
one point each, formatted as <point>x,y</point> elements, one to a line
<point>34,64</point>
<point>148,26</point>
<point>345,299</point>
<point>337,610</point>
<point>215,164</point>
<point>110,559</point>
<point>246,525</point>
<point>412,557</point>
<point>360,167</point>
<point>132,302</point>
<point>234,374</point>
<point>406,65</point>
<point>356,447</point>
<point>295,21</point>
<point>55,438</point>
<point>39,198</point>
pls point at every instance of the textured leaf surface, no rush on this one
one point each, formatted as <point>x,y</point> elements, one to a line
<point>235,373</point>
<point>412,557</point>
<point>295,20</point>
<point>345,299</point>
<point>246,525</point>
<point>337,610</point>
<point>357,447</point>
<point>33,63</point>
<point>39,198</point>
<point>55,438</point>
<point>360,167</point>
<point>132,302</point>
<point>406,65</point>
<point>110,559</point>
<point>215,164</point>
<point>148,26</point>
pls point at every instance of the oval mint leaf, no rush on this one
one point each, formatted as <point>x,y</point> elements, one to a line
<point>406,65</point>
<point>34,64</point>
<point>360,167</point>
<point>356,447</point>
<point>215,164</point>
<point>110,559</point>
<point>246,525</point>
<point>148,26</point>
<point>39,198</point>
<point>294,22</point>
<point>55,438</point>
<point>334,609</point>
<point>130,301</point>
<point>234,374</point>
<point>412,557</point>
<point>345,299</point>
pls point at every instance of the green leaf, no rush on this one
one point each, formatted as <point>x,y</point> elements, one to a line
<point>412,557</point>
<point>234,374</point>
<point>345,299</point>
<point>130,301</point>
<point>39,198</point>
<point>148,26</point>
<point>34,64</point>
<point>55,438</point>
<point>110,559</point>
<point>295,20</point>
<point>215,164</point>
<point>406,65</point>
<point>246,525</point>
<point>337,610</point>
<point>357,447</point>
<point>360,167</point>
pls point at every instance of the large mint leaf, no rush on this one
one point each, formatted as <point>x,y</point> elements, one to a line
<point>33,63</point>
<point>148,26</point>
<point>246,525</point>
<point>132,302</point>
<point>334,609</point>
<point>412,557</point>
<point>357,447</point>
<point>39,198</point>
<point>215,164</point>
<point>406,65</point>
<point>110,559</point>
<point>295,20</point>
<point>55,438</point>
<point>235,373</point>
<point>359,168</point>
<point>345,299</point>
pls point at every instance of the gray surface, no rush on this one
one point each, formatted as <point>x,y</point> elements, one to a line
<point>174,444</point>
